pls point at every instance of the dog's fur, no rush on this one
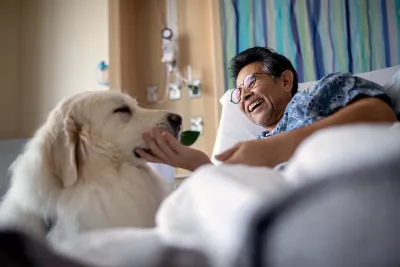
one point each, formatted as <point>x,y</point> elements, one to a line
<point>80,172</point>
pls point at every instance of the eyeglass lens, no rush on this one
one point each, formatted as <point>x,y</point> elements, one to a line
<point>248,83</point>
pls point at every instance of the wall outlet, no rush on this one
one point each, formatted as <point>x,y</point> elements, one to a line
<point>197,124</point>
<point>174,92</point>
<point>152,94</point>
<point>194,88</point>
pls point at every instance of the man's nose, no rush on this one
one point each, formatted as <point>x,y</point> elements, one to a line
<point>246,93</point>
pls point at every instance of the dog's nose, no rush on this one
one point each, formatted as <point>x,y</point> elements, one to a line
<point>175,120</point>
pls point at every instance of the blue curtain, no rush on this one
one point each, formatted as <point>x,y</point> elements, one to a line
<point>318,36</point>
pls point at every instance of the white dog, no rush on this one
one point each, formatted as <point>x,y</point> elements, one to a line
<point>80,171</point>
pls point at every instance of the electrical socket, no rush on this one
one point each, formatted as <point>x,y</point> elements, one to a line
<point>174,92</point>
<point>197,124</point>
<point>152,94</point>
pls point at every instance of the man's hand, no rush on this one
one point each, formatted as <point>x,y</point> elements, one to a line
<point>167,149</point>
<point>268,152</point>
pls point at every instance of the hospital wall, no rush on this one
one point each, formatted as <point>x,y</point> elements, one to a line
<point>135,57</point>
<point>49,50</point>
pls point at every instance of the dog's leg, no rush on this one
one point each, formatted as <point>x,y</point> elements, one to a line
<point>14,216</point>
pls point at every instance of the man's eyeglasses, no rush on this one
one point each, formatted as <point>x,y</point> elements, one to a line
<point>248,82</point>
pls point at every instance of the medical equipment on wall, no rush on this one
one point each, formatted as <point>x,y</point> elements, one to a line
<point>174,81</point>
<point>170,59</point>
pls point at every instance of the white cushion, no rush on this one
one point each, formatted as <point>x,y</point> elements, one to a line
<point>234,127</point>
<point>392,88</point>
<point>351,149</point>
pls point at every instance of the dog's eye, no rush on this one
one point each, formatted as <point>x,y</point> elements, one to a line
<point>123,109</point>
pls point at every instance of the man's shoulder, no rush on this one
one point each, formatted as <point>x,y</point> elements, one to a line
<point>335,79</point>
<point>345,80</point>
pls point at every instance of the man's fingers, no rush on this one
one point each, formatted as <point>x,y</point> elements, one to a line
<point>150,158</point>
<point>163,144</point>
<point>153,146</point>
<point>232,160</point>
<point>224,156</point>
<point>172,141</point>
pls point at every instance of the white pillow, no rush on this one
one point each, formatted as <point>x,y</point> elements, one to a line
<point>392,88</point>
<point>234,127</point>
<point>381,76</point>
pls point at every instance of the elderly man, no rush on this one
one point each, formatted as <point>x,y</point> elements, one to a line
<point>266,92</point>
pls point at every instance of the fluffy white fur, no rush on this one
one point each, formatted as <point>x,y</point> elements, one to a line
<point>79,172</point>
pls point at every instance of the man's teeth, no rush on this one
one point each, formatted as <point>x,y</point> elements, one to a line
<point>254,104</point>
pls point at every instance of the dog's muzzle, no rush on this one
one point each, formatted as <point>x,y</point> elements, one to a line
<point>175,121</point>
<point>174,127</point>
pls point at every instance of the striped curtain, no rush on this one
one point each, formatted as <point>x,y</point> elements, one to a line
<point>318,36</point>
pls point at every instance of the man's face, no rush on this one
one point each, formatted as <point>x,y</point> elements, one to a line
<point>266,98</point>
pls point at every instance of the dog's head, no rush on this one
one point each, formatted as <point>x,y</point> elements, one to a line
<point>102,127</point>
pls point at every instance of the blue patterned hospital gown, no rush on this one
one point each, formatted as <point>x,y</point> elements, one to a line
<point>330,94</point>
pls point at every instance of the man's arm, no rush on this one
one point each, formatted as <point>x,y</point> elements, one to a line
<point>365,110</point>
<point>280,148</point>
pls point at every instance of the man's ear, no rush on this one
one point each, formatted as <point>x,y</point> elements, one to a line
<point>287,78</point>
<point>70,166</point>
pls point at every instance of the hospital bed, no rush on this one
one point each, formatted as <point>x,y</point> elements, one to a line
<point>335,204</point>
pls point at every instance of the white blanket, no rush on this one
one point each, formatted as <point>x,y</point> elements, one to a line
<point>205,222</point>
<point>207,214</point>
<point>340,150</point>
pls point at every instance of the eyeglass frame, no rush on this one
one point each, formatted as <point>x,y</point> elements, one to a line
<point>238,88</point>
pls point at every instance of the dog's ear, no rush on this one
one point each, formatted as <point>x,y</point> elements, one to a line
<point>70,166</point>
